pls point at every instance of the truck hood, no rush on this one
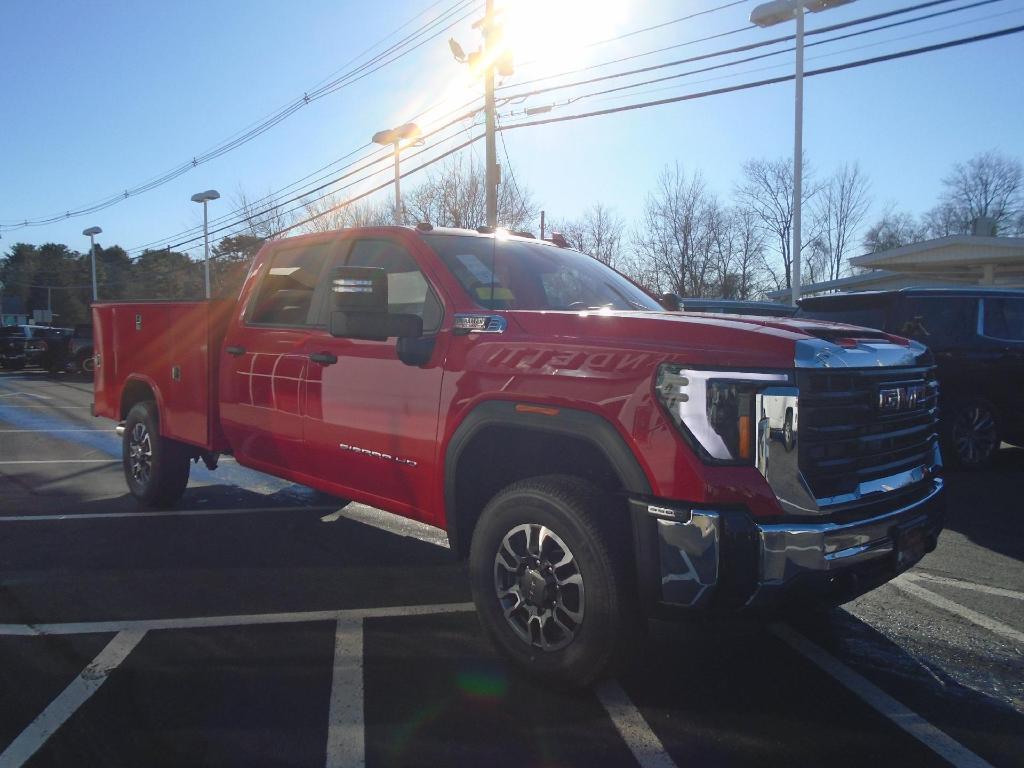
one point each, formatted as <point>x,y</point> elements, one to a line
<point>713,339</point>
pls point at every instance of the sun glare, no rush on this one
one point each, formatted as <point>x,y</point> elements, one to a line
<point>547,36</point>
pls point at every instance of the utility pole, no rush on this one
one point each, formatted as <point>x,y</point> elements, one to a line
<point>494,57</point>
<point>491,178</point>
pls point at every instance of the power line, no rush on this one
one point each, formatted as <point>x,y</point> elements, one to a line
<point>248,214</point>
<point>383,152</point>
<point>657,26</point>
<point>728,51</point>
<point>757,57</point>
<point>772,81</point>
<point>255,130</point>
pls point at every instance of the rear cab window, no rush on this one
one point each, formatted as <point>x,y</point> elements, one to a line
<point>285,294</point>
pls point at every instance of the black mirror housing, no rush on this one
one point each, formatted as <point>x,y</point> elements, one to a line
<point>359,289</point>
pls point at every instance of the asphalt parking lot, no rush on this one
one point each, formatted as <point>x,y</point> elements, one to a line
<point>256,624</point>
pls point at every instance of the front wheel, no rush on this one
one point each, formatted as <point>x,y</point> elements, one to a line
<point>550,579</point>
<point>972,435</point>
<point>155,467</point>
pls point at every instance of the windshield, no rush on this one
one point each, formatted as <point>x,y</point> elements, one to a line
<point>516,274</point>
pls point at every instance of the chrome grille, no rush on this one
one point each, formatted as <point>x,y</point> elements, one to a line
<point>847,437</point>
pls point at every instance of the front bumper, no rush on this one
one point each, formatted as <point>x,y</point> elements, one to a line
<point>724,559</point>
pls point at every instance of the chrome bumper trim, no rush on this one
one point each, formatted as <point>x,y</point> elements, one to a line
<point>119,429</point>
<point>791,550</point>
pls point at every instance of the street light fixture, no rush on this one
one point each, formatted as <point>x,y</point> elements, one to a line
<point>395,136</point>
<point>204,198</point>
<point>91,233</point>
<point>767,15</point>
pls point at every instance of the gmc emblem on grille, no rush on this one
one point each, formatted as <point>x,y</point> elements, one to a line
<point>901,398</point>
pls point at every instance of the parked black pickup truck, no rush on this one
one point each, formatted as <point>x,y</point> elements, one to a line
<point>22,345</point>
<point>977,336</point>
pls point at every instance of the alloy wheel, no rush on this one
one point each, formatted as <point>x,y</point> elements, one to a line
<point>975,438</point>
<point>140,453</point>
<point>539,586</point>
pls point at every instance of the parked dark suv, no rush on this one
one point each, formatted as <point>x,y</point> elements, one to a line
<point>70,353</point>
<point>977,336</point>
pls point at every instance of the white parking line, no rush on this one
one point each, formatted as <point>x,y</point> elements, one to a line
<point>51,431</point>
<point>634,730</point>
<point>26,394</point>
<point>65,407</point>
<point>996,627</point>
<point>346,731</point>
<point>154,513</point>
<point>202,622</point>
<point>69,700</point>
<point>936,740</point>
<point>961,584</point>
<point>62,461</point>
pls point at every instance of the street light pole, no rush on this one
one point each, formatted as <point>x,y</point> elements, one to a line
<point>395,137</point>
<point>204,198</point>
<point>767,15</point>
<point>798,151</point>
<point>91,233</point>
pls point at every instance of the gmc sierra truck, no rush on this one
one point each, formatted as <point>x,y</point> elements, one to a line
<point>597,459</point>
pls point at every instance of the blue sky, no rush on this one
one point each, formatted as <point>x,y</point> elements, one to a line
<point>101,96</point>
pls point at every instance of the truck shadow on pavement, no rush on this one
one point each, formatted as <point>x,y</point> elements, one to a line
<point>985,506</point>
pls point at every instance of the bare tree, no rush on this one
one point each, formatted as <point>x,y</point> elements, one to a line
<point>331,212</point>
<point>264,217</point>
<point>989,185</point>
<point>673,245</point>
<point>455,197</point>
<point>767,191</point>
<point>894,230</point>
<point>746,248</point>
<point>598,233</point>
<point>841,206</point>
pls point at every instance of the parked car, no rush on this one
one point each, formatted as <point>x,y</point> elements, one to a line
<point>597,459</point>
<point>977,336</point>
<point>22,345</point>
<point>732,306</point>
<point>70,353</point>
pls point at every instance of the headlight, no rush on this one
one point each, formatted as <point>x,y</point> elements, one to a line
<point>715,408</point>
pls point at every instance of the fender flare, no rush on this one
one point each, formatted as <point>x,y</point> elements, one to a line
<point>143,379</point>
<point>572,422</point>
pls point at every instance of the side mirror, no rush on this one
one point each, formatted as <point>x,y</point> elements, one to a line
<point>359,307</point>
<point>671,302</point>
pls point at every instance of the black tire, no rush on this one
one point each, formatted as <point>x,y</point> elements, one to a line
<point>85,364</point>
<point>788,438</point>
<point>971,435</point>
<point>155,468</point>
<point>582,524</point>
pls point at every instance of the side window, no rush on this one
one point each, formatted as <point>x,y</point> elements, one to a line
<point>287,288</point>
<point>937,322</point>
<point>408,290</point>
<point>1004,319</point>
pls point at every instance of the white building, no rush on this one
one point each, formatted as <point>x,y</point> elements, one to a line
<point>954,261</point>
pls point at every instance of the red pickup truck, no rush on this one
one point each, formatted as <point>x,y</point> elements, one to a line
<point>596,458</point>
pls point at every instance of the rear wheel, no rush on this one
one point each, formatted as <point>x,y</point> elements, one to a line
<point>788,438</point>
<point>972,435</point>
<point>551,582</point>
<point>156,468</point>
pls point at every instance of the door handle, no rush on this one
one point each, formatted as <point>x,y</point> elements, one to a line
<point>236,351</point>
<point>324,358</point>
